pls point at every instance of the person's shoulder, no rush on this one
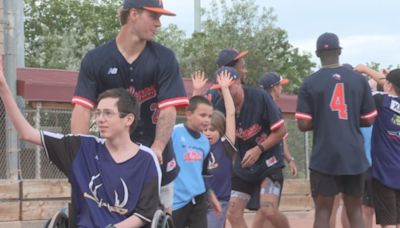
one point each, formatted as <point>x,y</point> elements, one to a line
<point>147,152</point>
<point>178,127</point>
<point>254,91</point>
<point>159,49</point>
<point>88,138</point>
<point>102,49</point>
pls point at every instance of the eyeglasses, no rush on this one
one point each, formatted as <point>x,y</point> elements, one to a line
<point>108,114</point>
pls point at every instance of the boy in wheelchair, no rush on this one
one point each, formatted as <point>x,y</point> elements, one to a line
<point>115,182</point>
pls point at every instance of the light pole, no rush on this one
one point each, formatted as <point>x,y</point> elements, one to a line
<point>197,16</point>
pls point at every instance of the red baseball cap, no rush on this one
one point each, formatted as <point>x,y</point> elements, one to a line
<point>155,6</point>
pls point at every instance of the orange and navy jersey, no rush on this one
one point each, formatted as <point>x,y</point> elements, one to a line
<point>336,100</point>
<point>154,78</point>
<point>258,117</point>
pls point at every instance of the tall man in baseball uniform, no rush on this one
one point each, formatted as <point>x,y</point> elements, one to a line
<point>258,165</point>
<point>334,102</point>
<point>145,68</point>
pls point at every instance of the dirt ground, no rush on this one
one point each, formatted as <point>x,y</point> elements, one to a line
<point>302,219</point>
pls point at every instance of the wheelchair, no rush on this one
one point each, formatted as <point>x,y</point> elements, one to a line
<point>160,220</point>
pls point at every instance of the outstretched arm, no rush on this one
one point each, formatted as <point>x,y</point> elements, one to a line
<point>25,130</point>
<point>377,76</point>
<point>224,80</point>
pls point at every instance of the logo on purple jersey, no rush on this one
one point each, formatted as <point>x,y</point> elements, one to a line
<point>118,206</point>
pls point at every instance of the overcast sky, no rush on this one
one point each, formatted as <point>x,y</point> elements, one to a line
<point>369,30</point>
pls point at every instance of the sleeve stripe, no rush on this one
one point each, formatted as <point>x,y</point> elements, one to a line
<point>286,136</point>
<point>370,115</point>
<point>156,163</point>
<point>83,101</point>
<point>277,124</point>
<point>142,217</point>
<point>304,116</point>
<point>43,144</point>
<point>178,101</point>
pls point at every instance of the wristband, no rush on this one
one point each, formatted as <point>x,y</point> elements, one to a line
<point>261,147</point>
<point>290,160</point>
<point>110,226</point>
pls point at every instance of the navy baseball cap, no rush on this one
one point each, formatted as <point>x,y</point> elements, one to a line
<point>234,75</point>
<point>328,41</point>
<point>271,79</point>
<point>155,6</point>
<point>228,55</point>
<point>394,77</point>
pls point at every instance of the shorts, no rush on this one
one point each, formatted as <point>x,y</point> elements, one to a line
<point>169,167</point>
<point>387,204</point>
<point>368,199</point>
<point>193,214</point>
<point>217,220</point>
<point>167,195</point>
<point>330,185</point>
<point>251,191</point>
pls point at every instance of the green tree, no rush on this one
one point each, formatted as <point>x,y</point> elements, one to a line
<point>242,25</point>
<point>58,33</point>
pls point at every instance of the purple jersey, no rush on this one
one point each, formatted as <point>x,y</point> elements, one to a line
<point>335,100</point>
<point>105,192</point>
<point>220,168</point>
<point>386,141</point>
<point>258,117</point>
<point>154,78</point>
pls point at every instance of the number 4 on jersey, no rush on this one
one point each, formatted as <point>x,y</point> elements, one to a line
<point>338,101</point>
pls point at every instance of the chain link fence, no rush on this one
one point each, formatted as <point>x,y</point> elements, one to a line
<point>34,164</point>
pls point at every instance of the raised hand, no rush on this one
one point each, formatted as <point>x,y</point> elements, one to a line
<point>198,81</point>
<point>224,79</point>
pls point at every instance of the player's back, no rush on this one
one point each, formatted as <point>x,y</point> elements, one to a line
<point>336,99</point>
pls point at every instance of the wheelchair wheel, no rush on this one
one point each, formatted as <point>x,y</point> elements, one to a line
<point>59,220</point>
<point>162,220</point>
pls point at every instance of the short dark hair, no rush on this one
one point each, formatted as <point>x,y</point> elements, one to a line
<point>123,15</point>
<point>126,104</point>
<point>195,101</point>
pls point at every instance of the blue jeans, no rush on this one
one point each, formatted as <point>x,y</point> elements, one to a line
<point>217,221</point>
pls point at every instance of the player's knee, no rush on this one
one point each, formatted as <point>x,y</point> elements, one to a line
<point>269,212</point>
<point>234,215</point>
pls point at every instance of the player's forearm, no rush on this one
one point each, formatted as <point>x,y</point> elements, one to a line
<point>131,222</point>
<point>80,120</point>
<point>274,138</point>
<point>165,124</point>
<point>25,131</point>
<point>304,125</point>
<point>377,76</point>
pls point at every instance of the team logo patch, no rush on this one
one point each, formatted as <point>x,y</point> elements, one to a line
<point>396,120</point>
<point>395,106</point>
<point>192,155</point>
<point>271,161</point>
<point>212,163</point>
<point>337,77</point>
<point>171,165</point>
<point>112,71</point>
